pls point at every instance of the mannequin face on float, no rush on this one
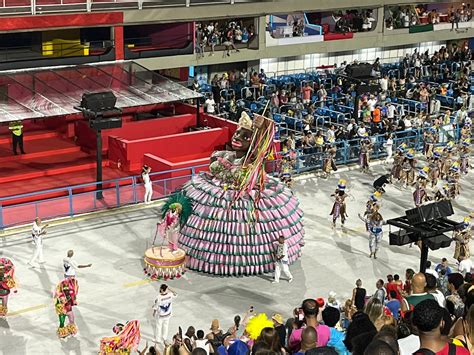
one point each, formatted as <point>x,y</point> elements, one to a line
<point>241,140</point>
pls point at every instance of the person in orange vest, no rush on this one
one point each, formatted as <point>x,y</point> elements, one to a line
<point>376,117</point>
<point>16,127</point>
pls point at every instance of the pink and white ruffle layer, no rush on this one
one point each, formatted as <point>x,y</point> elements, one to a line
<point>222,238</point>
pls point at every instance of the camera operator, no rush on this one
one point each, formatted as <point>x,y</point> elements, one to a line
<point>309,314</point>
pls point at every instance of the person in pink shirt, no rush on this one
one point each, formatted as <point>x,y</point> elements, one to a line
<point>283,98</point>
<point>310,311</point>
<point>307,90</point>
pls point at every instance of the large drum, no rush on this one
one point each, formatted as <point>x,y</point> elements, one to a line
<point>161,263</point>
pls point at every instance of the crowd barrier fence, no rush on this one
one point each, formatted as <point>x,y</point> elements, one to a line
<point>78,199</point>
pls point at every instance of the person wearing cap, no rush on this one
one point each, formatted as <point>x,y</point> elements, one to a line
<point>453,180</point>
<point>447,160</point>
<point>466,131</point>
<point>162,311</point>
<point>279,326</point>
<point>339,206</point>
<point>374,222</point>
<point>329,159</point>
<point>420,195</point>
<point>396,171</point>
<point>371,205</point>
<point>147,183</point>
<point>462,237</point>
<point>429,138</point>
<point>364,155</point>
<point>434,164</point>
<point>282,260</point>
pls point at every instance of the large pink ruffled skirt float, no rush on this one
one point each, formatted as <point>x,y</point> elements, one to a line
<point>232,238</point>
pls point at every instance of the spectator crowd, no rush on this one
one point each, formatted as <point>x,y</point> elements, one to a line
<point>424,80</point>
<point>407,16</point>
<point>226,34</point>
<point>426,313</point>
<point>354,21</point>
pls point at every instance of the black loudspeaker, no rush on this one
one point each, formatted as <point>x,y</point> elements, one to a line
<point>362,70</point>
<point>105,123</point>
<point>401,237</point>
<point>367,89</point>
<point>440,241</point>
<point>429,212</point>
<point>98,101</point>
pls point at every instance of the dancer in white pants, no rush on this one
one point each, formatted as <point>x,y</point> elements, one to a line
<point>162,309</point>
<point>37,233</point>
<point>374,223</point>
<point>282,261</point>
<point>148,184</point>
<point>389,147</point>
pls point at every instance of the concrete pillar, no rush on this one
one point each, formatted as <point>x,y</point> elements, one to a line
<point>262,29</point>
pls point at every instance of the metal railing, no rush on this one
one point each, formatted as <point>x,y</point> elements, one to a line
<point>78,199</point>
<point>348,150</point>
<point>33,7</point>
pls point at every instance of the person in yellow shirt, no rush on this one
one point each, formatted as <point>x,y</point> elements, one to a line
<point>16,127</point>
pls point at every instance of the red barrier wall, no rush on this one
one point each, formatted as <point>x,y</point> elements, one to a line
<point>85,136</point>
<point>157,127</point>
<point>176,148</point>
<point>177,178</point>
<point>214,122</point>
<point>59,21</point>
<point>134,130</point>
<point>186,108</point>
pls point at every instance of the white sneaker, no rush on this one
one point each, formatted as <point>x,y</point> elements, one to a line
<point>290,280</point>
<point>275,282</point>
